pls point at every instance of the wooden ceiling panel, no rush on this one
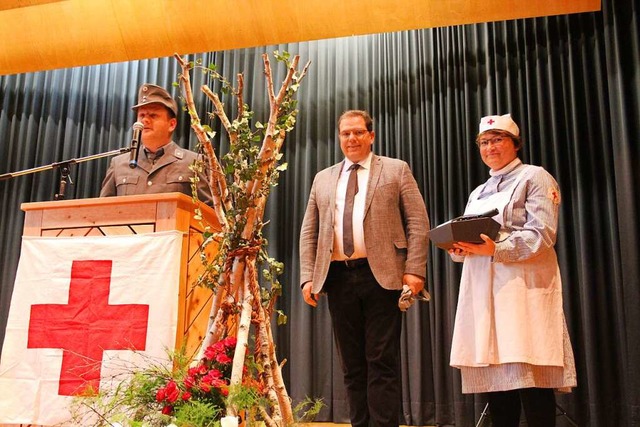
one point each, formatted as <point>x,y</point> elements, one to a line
<point>47,34</point>
<point>14,4</point>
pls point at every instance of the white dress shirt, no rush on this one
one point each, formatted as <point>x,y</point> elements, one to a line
<point>358,210</point>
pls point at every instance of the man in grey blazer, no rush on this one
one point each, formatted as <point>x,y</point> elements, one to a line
<point>389,230</point>
<point>162,166</point>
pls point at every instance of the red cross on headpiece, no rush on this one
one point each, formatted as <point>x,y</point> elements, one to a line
<point>87,326</point>
<point>491,121</point>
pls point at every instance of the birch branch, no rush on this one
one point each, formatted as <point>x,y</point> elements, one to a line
<point>262,357</point>
<point>238,302</point>
<point>230,289</point>
<point>215,170</point>
<point>273,139</point>
<point>240,95</point>
<point>280,388</point>
<point>215,320</point>
<point>266,417</point>
<point>242,335</point>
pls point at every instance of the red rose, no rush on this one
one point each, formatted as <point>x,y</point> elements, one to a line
<point>189,381</point>
<point>210,353</point>
<point>230,342</point>
<point>214,373</point>
<point>172,391</point>
<point>223,358</point>
<point>218,347</point>
<point>219,383</point>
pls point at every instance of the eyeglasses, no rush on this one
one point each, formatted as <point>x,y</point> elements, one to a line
<point>495,141</point>
<point>358,133</point>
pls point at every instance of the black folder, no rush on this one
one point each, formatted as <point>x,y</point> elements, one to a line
<point>466,228</point>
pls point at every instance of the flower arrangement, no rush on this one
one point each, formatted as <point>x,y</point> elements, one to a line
<point>207,382</point>
<point>182,394</point>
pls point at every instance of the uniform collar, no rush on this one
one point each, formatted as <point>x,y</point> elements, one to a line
<point>508,168</point>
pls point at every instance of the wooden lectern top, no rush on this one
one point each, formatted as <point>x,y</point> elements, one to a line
<point>114,215</point>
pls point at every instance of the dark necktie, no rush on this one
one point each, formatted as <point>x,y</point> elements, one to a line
<point>155,156</point>
<point>347,219</point>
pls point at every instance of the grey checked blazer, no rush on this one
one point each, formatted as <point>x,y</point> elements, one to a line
<point>395,225</point>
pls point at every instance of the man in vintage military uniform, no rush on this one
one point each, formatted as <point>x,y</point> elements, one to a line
<point>162,166</point>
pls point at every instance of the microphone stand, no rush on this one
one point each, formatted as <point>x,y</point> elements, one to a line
<point>64,168</point>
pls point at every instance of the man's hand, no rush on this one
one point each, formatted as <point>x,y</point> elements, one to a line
<point>415,283</point>
<point>308,295</point>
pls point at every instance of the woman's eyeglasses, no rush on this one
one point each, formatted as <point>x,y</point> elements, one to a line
<point>496,140</point>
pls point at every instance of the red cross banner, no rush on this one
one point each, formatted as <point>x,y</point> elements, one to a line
<point>85,311</point>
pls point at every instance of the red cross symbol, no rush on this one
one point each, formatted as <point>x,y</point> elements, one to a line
<point>87,326</point>
<point>491,121</point>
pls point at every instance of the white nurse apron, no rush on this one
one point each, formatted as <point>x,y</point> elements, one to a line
<point>508,312</point>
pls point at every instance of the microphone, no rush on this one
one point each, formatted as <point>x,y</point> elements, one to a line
<point>135,143</point>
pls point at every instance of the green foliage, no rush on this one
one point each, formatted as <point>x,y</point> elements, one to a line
<point>307,410</point>
<point>198,414</point>
<point>282,318</point>
<point>248,400</point>
<point>141,390</point>
<point>242,398</point>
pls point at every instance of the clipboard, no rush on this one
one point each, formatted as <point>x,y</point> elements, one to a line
<point>466,228</point>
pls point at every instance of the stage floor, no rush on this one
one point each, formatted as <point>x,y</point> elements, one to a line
<point>339,425</point>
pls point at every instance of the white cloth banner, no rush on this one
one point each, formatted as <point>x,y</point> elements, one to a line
<point>83,311</point>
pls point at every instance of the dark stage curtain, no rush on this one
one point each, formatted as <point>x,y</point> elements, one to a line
<point>571,82</point>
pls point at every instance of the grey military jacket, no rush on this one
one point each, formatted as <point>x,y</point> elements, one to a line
<point>169,173</point>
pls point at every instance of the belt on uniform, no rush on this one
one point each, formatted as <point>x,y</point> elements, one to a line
<point>350,263</point>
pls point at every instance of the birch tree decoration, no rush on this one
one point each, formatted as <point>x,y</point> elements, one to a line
<point>241,181</point>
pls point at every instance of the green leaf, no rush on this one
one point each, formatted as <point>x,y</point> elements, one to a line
<point>282,318</point>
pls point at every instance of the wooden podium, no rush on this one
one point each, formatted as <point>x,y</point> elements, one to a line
<point>126,215</point>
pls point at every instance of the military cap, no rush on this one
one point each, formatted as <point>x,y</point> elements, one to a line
<point>149,94</point>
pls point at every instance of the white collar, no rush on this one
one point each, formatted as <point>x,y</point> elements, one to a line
<point>508,168</point>
<point>364,164</point>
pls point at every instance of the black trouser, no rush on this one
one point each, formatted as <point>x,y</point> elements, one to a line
<point>539,407</point>
<point>366,325</point>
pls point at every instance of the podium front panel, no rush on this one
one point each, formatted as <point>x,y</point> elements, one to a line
<point>127,215</point>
